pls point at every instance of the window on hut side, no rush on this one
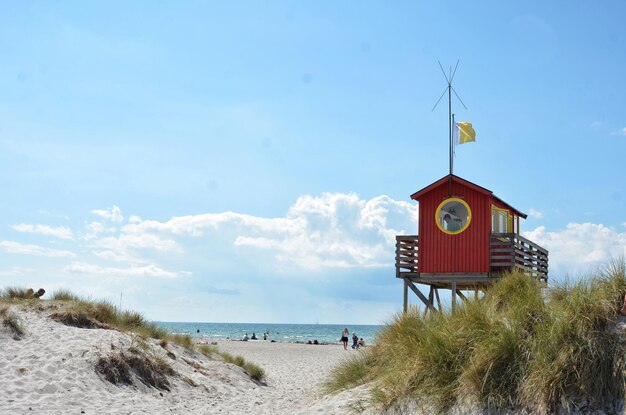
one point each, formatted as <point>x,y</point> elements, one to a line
<point>500,220</point>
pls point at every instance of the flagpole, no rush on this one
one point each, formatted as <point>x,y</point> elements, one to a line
<point>453,142</point>
<point>450,121</point>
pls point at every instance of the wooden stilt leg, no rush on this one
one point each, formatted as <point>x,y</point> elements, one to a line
<point>418,293</point>
<point>438,300</point>
<point>406,296</point>
<point>431,298</point>
<point>453,295</point>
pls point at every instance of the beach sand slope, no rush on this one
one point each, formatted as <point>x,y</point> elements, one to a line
<point>51,370</point>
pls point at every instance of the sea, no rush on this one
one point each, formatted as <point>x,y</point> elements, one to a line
<point>289,333</point>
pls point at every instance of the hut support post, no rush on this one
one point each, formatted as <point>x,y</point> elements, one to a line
<point>431,297</point>
<point>406,295</point>
<point>417,292</point>
<point>454,292</point>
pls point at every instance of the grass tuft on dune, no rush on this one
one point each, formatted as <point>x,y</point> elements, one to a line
<point>16,294</point>
<point>254,371</point>
<point>517,348</point>
<point>121,366</point>
<point>11,322</point>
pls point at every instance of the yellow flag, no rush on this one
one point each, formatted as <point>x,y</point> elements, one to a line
<point>464,132</point>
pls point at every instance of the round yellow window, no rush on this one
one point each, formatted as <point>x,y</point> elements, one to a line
<point>453,216</point>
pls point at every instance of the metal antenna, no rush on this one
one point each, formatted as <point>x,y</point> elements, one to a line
<point>449,78</point>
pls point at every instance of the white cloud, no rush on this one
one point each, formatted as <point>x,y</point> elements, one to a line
<point>59,232</point>
<point>580,246</point>
<point>18,248</point>
<point>331,230</point>
<point>535,214</point>
<point>133,271</point>
<point>134,219</point>
<point>113,214</point>
<point>15,271</point>
<point>114,256</point>
<point>126,242</point>
<point>93,230</point>
<point>621,132</point>
<point>196,225</point>
<point>336,231</point>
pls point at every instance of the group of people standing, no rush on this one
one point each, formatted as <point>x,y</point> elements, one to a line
<point>356,341</point>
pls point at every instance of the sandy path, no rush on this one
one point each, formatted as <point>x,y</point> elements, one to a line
<point>295,373</point>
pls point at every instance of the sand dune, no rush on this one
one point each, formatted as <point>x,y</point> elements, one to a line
<point>51,370</point>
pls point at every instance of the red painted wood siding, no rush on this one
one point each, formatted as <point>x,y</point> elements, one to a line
<point>467,252</point>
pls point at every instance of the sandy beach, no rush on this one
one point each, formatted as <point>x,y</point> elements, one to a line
<point>51,370</point>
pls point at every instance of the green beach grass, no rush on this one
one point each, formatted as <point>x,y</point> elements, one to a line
<point>518,348</point>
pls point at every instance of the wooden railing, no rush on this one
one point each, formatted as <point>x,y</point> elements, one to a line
<point>509,251</point>
<point>406,254</point>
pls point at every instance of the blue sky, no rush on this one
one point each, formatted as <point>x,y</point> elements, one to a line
<point>252,161</point>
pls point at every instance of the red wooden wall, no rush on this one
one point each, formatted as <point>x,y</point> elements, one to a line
<point>467,252</point>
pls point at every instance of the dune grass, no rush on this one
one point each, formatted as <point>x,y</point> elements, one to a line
<point>119,368</point>
<point>11,322</point>
<point>77,311</point>
<point>83,313</point>
<point>14,293</point>
<point>519,348</point>
<point>64,295</point>
<point>255,372</point>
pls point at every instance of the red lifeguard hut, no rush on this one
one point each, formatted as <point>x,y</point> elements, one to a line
<point>467,237</point>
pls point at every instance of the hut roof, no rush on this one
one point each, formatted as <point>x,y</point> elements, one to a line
<point>456,179</point>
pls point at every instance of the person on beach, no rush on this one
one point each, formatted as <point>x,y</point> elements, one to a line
<point>344,338</point>
<point>355,341</point>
